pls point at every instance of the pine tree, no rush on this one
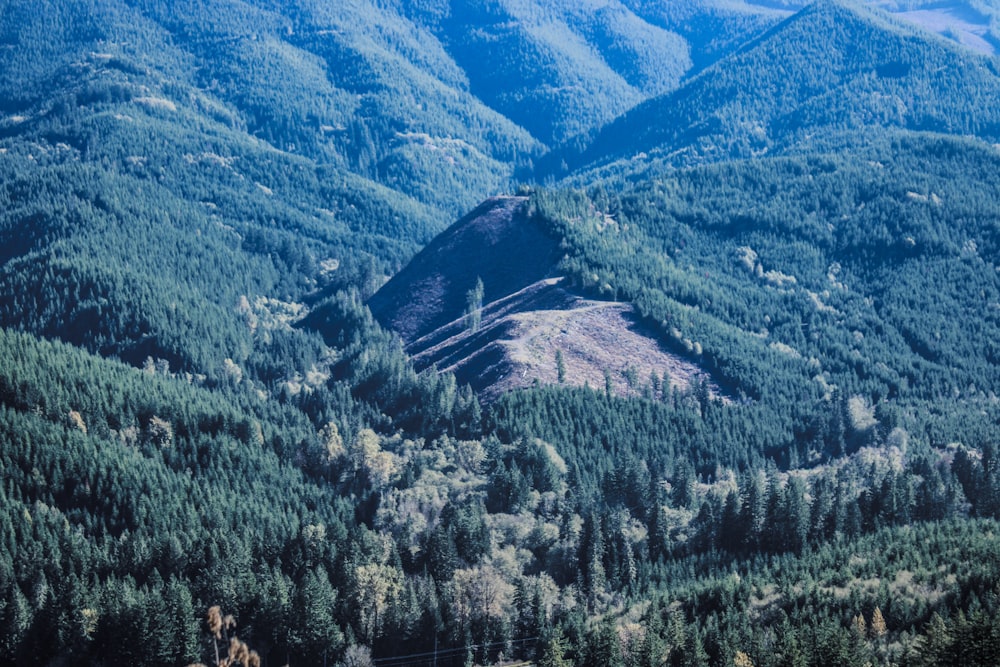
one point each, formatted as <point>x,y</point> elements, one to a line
<point>796,513</point>
<point>657,540</point>
<point>316,632</point>
<point>552,649</point>
<point>474,306</point>
<point>442,555</point>
<point>653,650</point>
<point>604,646</point>
<point>753,510</point>
<point>694,651</point>
<point>936,644</point>
<point>592,550</point>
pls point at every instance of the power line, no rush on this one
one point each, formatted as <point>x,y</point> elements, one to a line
<point>429,657</point>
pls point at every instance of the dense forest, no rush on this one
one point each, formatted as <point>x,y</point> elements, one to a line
<point>212,453</point>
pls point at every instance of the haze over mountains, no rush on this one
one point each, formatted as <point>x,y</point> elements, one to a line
<point>458,331</point>
<point>827,78</point>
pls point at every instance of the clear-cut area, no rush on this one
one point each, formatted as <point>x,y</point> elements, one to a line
<point>527,324</point>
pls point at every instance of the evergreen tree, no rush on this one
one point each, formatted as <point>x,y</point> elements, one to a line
<point>552,649</point>
<point>604,646</point>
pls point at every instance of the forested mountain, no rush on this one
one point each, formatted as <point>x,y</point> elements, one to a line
<point>827,78</point>
<point>748,288</point>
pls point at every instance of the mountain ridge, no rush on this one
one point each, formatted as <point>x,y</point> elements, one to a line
<point>850,69</point>
<point>621,424</point>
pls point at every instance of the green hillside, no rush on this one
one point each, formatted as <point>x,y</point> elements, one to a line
<point>124,164</point>
<point>331,86</point>
<point>206,438</point>
<point>878,261</point>
<point>830,77</point>
<point>805,283</point>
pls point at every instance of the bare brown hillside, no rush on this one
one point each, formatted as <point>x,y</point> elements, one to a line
<point>521,336</point>
<point>527,318</point>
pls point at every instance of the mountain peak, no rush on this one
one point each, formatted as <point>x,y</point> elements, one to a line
<point>525,326</point>
<point>833,68</point>
<point>499,243</point>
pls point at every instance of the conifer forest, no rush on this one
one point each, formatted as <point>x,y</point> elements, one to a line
<point>594,333</point>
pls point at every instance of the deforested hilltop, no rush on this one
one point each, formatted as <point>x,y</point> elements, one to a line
<point>498,243</point>
<point>485,301</point>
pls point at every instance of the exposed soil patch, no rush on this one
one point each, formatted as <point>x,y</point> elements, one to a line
<point>527,318</point>
<point>521,337</point>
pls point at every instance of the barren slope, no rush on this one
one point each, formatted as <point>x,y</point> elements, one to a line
<point>521,336</point>
<point>527,317</point>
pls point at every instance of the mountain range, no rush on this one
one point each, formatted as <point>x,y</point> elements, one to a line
<point>467,331</point>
